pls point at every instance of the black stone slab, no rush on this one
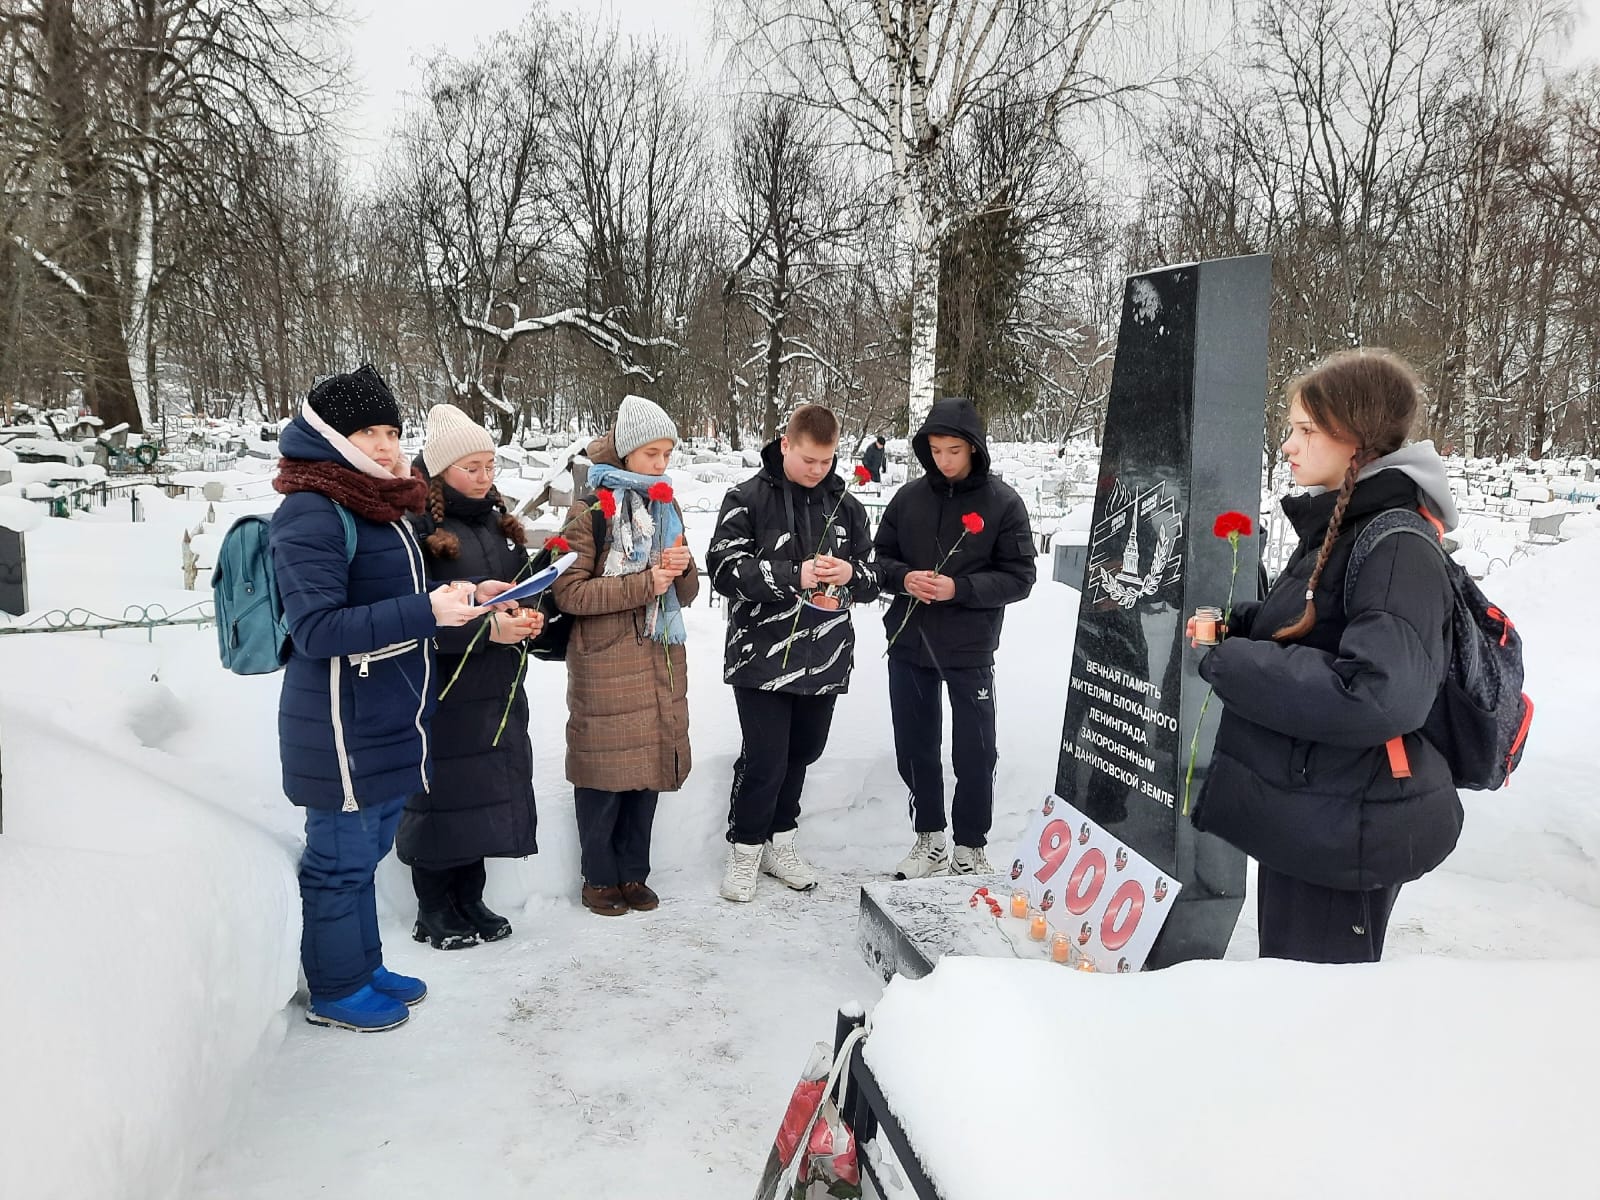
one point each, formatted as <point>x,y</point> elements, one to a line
<point>13,572</point>
<point>1183,440</point>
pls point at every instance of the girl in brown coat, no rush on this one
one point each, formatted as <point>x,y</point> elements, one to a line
<point>627,694</point>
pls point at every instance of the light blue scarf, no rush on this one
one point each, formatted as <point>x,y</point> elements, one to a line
<point>640,530</point>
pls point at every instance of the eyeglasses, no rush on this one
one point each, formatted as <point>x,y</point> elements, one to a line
<point>484,472</point>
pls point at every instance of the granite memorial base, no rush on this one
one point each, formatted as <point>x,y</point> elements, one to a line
<point>905,927</point>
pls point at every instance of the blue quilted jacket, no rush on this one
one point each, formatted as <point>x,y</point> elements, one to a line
<point>358,688</point>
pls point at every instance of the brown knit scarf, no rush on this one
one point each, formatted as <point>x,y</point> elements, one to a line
<point>375,499</point>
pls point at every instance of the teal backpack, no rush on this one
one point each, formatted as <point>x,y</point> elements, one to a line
<point>251,631</point>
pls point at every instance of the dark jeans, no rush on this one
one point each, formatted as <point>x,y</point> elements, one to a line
<point>918,719</point>
<point>438,890</point>
<point>614,834</point>
<point>783,733</point>
<point>1309,923</point>
<point>339,945</point>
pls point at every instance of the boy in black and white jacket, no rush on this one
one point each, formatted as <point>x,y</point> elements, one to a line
<point>789,541</point>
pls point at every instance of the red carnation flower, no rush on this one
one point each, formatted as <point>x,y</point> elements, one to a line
<point>607,502</point>
<point>972,522</point>
<point>558,545</point>
<point>660,492</point>
<point>1230,523</point>
<point>862,474</point>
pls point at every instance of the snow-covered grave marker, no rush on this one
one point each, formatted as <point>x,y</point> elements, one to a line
<point>17,516</point>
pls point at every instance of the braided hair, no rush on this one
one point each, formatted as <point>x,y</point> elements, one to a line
<point>1367,396</point>
<point>444,544</point>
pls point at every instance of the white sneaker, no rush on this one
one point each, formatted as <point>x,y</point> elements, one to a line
<point>969,860</point>
<point>927,857</point>
<point>781,860</point>
<point>744,868</point>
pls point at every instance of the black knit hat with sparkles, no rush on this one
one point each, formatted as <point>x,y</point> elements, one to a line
<point>356,401</point>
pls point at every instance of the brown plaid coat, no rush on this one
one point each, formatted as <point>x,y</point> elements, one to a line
<point>627,714</point>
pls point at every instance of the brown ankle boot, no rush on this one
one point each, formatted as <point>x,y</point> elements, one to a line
<point>639,897</point>
<point>607,901</point>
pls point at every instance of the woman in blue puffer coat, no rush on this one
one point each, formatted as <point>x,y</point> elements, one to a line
<point>353,715</point>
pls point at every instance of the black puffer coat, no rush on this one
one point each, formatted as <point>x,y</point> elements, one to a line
<point>767,527</point>
<point>1300,779</point>
<point>481,804</point>
<point>991,569</point>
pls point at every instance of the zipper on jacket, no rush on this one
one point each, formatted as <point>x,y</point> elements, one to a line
<point>345,782</point>
<point>419,581</point>
<point>362,661</point>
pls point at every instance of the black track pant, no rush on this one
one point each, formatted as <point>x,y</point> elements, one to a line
<point>1310,923</point>
<point>783,733</point>
<point>918,715</point>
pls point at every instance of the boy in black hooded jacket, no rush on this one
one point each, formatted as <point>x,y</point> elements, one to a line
<point>957,544</point>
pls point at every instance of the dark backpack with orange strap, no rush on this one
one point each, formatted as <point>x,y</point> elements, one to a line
<point>1480,720</point>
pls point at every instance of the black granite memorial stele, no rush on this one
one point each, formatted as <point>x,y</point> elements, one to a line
<point>1182,445</point>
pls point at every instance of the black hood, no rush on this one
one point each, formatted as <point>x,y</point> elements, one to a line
<point>954,416</point>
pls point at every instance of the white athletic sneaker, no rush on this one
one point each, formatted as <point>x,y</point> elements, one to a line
<point>744,868</point>
<point>969,860</point>
<point>927,857</point>
<point>781,860</point>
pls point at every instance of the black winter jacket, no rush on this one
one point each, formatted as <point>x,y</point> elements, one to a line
<point>1300,779</point>
<point>768,526</point>
<point>991,569</point>
<point>481,804</point>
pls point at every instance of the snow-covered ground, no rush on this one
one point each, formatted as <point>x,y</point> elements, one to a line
<point>150,1044</point>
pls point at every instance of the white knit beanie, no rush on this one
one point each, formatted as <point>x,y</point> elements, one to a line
<point>452,435</point>
<point>639,422</point>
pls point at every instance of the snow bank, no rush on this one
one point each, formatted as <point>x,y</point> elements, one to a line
<point>1223,1081</point>
<point>20,515</point>
<point>150,923</point>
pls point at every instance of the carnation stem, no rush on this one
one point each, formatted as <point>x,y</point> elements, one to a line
<point>912,607</point>
<point>511,697</point>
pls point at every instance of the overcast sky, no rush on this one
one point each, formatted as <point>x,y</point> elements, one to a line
<point>389,36</point>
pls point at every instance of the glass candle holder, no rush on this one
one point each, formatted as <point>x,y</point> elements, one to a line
<point>1060,947</point>
<point>1019,903</point>
<point>1038,927</point>
<point>1085,963</point>
<point>1208,625</point>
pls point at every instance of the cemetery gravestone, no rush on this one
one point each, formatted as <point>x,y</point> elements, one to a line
<point>1183,443</point>
<point>13,572</point>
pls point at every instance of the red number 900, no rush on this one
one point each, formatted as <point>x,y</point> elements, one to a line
<point>1080,897</point>
<point>1117,930</point>
<point>1055,845</point>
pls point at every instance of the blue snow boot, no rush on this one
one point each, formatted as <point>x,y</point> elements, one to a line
<point>366,1011</point>
<point>403,988</point>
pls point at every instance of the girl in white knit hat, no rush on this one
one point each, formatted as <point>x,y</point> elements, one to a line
<point>480,804</point>
<point>627,676</point>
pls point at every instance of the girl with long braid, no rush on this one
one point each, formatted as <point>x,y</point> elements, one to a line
<point>481,804</point>
<point>1320,771</point>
